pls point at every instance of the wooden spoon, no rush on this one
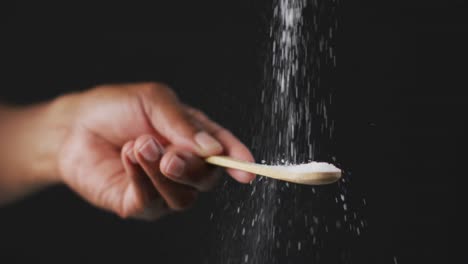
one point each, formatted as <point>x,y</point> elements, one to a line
<point>314,173</point>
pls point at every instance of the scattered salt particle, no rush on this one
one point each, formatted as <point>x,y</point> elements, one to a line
<point>345,207</point>
<point>246,258</point>
<point>243,231</point>
<point>263,161</point>
<point>299,246</point>
<point>395,260</point>
<point>312,231</point>
<point>357,231</point>
<point>316,220</point>
<point>211,216</point>
<point>287,185</point>
<point>342,197</point>
<point>338,224</point>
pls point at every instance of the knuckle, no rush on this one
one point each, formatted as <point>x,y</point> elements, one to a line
<point>195,112</point>
<point>223,133</point>
<point>157,88</point>
<point>184,203</point>
<point>210,183</point>
<point>123,214</point>
<point>150,86</point>
<point>127,210</point>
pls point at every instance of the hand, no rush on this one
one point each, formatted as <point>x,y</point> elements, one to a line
<point>138,151</point>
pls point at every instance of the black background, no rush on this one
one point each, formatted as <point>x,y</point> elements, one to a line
<point>400,103</point>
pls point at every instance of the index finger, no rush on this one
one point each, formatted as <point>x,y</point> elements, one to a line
<point>232,146</point>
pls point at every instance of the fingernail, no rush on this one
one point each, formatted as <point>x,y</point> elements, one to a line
<point>150,151</point>
<point>176,167</point>
<point>131,156</point>
<point>207,143</point>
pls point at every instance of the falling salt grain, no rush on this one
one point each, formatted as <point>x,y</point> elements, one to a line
<point>338,224</point>
<point>312,231</point>
<point>246,258</point>
<point>316,220</point>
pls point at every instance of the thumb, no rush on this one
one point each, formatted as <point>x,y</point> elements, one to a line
<point>170,119</point>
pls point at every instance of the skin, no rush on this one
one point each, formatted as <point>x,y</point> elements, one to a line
<point>134,149</point>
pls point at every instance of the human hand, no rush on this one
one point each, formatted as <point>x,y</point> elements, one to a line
<point>137,151</point>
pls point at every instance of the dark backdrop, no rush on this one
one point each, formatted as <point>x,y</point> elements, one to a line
<point>400,117</point>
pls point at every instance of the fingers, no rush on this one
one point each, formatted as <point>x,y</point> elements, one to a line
<point>174,176</point>
<point>188,169</point>
<point>148,153</point>
<point>143,202</point>
<point>232,146</point>
<point>169,117</point>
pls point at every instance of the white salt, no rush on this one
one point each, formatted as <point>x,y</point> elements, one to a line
<point>310,167</point>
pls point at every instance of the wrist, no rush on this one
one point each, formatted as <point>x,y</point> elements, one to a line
<point>31,138</point>
<point>58,119</point>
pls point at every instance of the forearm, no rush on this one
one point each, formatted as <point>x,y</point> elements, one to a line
<point>30,139</point>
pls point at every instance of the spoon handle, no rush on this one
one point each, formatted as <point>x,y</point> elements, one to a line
<point>254,168</point>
